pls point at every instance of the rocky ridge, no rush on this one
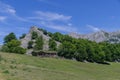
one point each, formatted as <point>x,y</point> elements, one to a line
<point>28,37</point>
<point>100,36</point>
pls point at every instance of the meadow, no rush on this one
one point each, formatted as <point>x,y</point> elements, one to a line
<point>24,67</point>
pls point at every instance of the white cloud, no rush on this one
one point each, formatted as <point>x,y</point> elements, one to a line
<point>2,18</point>
<point>49,19</point>
<point>60,27</point>
<point>5,8</point>
<point>52,20</point>
<point>93,28</point>
<point>10,12</point>
<point>50,16</point>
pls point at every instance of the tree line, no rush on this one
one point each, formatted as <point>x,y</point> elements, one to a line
<point>85,50</point>
<point>70,48</point>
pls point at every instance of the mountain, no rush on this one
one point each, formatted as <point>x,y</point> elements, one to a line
<point>100,36</point>
<point>28,38</point>
<point>39,42</point>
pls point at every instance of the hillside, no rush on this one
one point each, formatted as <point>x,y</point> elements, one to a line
<point>23,67</point>
<point>38,41</point>
<point>39,32</point>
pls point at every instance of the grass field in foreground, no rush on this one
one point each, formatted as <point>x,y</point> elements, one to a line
<point>23,67</point>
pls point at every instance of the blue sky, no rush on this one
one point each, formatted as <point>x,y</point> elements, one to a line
<point>81,16</point>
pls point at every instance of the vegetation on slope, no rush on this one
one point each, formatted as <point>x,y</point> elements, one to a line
<point>70,48</point>
<point>23,67</point>
<point>12,45</point>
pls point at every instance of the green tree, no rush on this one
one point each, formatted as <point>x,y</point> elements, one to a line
<point>81,54</point>
<point>30,44</point>
<point>52,45</point>
<point>13,46</point>
<point>34,35</point>
<point>23,35</point>
<point>10,37</point>
<point>43,30</point>
<point>67,50</point>
<point>50,34</point>
<point>57,36</point>
<point>39,43</point>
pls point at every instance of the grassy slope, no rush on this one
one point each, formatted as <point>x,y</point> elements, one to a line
<point>22,67</point>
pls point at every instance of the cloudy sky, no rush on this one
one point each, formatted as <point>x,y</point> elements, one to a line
<point>65,16</point>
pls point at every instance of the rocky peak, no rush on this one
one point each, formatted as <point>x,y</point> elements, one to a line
<point>100,36</point>
<point>33,28</point>
<point>28,37</point>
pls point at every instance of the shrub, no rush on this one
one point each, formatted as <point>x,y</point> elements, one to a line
<point>6,72</point>
<point>30,44</point>
<point>23,36</point>
<point>13,47</point>
<point>39,43</point>
<point>10,37</point>
<point>34,35</point>
<point>52,45</point>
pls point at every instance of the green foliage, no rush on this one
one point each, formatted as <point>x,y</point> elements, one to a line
<point>81,54</point>
<point>6,72</point>
<point>54,69</point>
<point>43,30</point>
<point>34,35</point>
<point>30,44</point>
<point>81,50</point>
<point>23,35</point>
<point>10,37</point>
<point>39,43</point>
<point>52,45</point>
<point>50,34</point>
<point>57,36</point>
<point>71,48</point>
<point>13,47</point>
<point>67,50</point>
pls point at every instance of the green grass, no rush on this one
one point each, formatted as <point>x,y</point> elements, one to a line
<point>23,67</point>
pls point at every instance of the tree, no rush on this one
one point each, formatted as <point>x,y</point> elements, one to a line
<point>10,37</point>
<point>13,46</point>
<point>57,36</point>
<point>34,35</point>
<point>39,43</point>
<point>67,50</point>
<point>30,44</point>
<point>50,34</point>
<point>81,54</point>
<point>52,45</point>
<point>23,35</point>
<point>43,30</point>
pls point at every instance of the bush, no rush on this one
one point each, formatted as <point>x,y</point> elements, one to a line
<point>39,43</point>
<point>34,35</point>
<point>30,44</point>
<point>34,53</point>
<point>10,37</point>
<point>6,72</point>
<point>43,30</point>
<point>13,47</point>
<point>23,36</point>
<point>52,45</point>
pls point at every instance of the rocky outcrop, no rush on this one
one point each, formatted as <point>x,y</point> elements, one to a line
<point>27,38</point>
<point>100,36</point>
